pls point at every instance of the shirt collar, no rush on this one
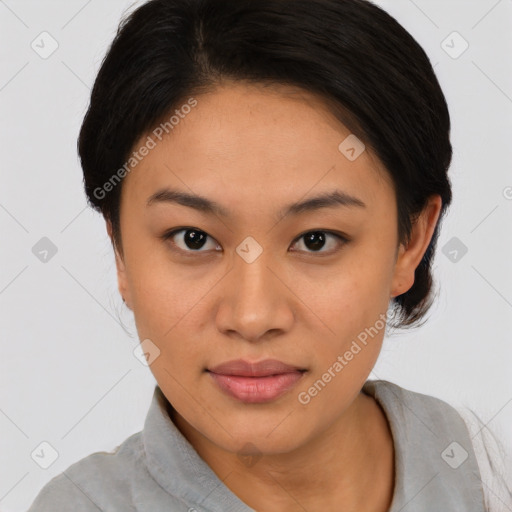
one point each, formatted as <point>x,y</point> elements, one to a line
<point>422,428</point>
<point>174,463</point>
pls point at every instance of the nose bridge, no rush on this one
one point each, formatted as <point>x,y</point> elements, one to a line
<point>253,278</point>
<point>255,301</point>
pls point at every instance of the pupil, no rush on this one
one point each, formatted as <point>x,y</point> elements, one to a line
<point>194,239</point>
<point>315,240</point>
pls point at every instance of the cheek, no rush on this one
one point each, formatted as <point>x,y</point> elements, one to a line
<point>169,308</point>
<point>348,297</point>
<point>351,303</point>
<point>155,299</point>
<point>353,309</point>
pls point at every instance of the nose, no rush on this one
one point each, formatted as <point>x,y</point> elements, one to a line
<point>255,302</point>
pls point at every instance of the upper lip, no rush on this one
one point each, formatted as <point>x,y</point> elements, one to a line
<point>260,369</point>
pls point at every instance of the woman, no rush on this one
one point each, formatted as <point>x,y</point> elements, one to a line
<point>273,175</point>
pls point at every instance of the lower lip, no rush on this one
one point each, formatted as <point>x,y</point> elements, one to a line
<point>255,390</point>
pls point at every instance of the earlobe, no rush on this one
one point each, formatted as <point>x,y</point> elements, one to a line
<point>410,256</point>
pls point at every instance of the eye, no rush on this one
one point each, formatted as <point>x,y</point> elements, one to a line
<point>315,241</point>
<point>190,240</point>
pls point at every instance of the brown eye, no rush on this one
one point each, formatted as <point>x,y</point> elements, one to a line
<point>191,240</point>
<point>316,241</point>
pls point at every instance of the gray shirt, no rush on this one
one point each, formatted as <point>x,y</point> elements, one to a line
<point>157,469</point>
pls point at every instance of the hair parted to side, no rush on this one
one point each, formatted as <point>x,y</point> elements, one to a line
<point>371,73</point>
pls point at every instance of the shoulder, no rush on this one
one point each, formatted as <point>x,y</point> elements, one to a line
<point>495,469</point>
<point>436,425</point>
<point>410,405</point>
<point>94,482</point>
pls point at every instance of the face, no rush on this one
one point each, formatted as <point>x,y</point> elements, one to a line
<point>255,278</point>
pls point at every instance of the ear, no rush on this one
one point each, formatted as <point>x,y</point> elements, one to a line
<point>122,280</point>
<point>410,256</point>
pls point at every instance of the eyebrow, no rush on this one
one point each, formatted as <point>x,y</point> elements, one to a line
<point>326,200</point>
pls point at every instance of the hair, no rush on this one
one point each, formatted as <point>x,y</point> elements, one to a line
<point>370,72</point>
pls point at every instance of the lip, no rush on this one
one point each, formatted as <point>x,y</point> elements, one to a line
<point>259,382</point>
<point>242,368</point>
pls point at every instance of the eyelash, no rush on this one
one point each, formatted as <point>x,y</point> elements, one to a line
<point>167,236</point>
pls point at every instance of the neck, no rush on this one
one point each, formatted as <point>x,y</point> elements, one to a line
<point>351,462</point>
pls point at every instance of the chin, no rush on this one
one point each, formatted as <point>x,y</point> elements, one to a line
<point>268,438</point>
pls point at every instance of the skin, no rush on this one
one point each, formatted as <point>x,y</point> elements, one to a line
<point>254,150</point>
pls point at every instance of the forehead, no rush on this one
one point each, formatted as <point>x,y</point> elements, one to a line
<point>243,141</point>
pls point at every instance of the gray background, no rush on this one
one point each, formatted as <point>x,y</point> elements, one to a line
<point>68,373</point>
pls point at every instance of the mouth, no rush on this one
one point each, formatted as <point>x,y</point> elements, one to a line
<point>260,382</point>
